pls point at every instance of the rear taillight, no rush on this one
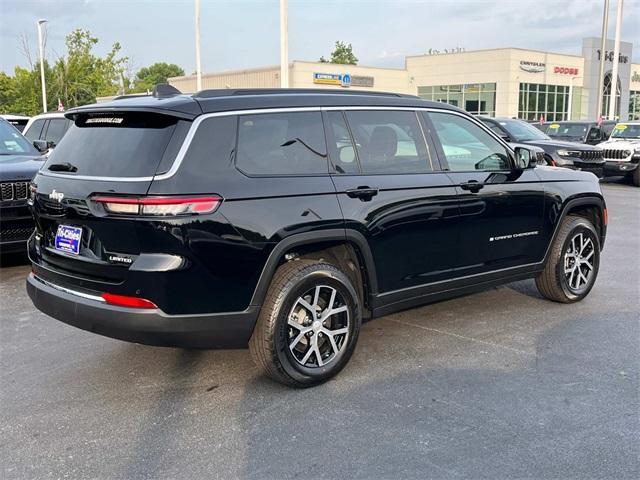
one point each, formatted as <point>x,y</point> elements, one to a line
<point>126,301</point>
<point>159,206</point>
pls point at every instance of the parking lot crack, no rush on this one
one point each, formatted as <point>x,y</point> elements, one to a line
<point>464,337</point>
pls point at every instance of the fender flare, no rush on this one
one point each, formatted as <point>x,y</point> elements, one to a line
<point>307,238</point>
<point>587,200</point>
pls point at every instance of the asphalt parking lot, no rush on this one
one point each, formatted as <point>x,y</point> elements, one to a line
<point>501,384</point>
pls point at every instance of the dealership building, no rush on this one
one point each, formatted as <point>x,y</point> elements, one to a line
<point>503,82</point>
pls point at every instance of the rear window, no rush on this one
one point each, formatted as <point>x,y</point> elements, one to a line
<point>122,144</point>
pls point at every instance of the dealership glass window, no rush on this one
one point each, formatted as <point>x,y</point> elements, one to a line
<point>476,98</point>
<point>537,100</point>
<point>634,105</point>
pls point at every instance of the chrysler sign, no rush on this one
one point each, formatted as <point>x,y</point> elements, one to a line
<point>532,67</point>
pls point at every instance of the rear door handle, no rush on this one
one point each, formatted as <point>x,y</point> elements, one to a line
<point>363,193</point>
<point>472,186</point>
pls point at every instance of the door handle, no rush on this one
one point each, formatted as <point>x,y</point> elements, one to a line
<point>363,193</point>
<point>472,185</point>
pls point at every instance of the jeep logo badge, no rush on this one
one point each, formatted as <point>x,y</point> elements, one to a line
<point>57,196</point>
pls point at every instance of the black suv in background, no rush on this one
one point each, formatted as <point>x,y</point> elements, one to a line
<point>19,162</point>
<point>281,219</point>
<point>580,131</point>
<point>558,153</point>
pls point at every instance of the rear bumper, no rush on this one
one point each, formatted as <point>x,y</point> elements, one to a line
<point>146,326</point>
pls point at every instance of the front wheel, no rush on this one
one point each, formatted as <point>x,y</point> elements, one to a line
<point>308,325</point>
<point>573,262</point>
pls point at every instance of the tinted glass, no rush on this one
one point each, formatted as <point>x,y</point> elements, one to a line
<point>34,130</point>
<point>626,130</point>
<point>466,146</point>
<point>341,147</point>
<point>389,142</point>
<point>522,131</point>
<point>56,129</point>
<point>12,143</point>
<point>117,145</point>
<point>577,130</point>
<point>281,144</point>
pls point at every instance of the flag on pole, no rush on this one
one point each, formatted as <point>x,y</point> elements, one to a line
<point>600,120</point>
<point>542,119</point>
<point>60,106</point>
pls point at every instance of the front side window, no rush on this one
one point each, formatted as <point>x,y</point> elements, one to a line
<point>281,144</point>
<point>389,142</point>
<point>466,146</point>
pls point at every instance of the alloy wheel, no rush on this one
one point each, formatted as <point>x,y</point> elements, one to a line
<point>578,262</point>
<point>318,326</point>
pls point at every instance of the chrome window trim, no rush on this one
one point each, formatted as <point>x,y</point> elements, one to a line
<point>196,124</point>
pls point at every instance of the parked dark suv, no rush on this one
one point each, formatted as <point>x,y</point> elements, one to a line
<point>281,219</point>
<point>19,162</point>
<point>580,131</point>
<point>557,152</point>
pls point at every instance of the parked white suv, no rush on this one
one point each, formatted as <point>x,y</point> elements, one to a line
<point>622,151</point>
<point>49,127</point>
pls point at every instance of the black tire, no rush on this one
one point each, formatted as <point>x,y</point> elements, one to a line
<point>269,344</point>
<point>552,282</point>
<point>636,176</point>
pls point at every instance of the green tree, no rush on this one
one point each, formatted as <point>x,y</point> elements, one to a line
<point>342,53</point>
<point>150,76</point>
<point>81,76</point>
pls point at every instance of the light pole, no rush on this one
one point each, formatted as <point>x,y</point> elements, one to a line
<point>603,47</point>
<point>570,102</point>
<point>284,45</point>
<point>198,59</point>
<point>614,71</point>
<point>41,48</point>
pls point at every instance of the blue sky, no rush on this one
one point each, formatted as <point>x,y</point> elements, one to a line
<point>244,33</point>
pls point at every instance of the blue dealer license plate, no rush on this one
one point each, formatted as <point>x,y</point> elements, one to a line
<point>68,239</point>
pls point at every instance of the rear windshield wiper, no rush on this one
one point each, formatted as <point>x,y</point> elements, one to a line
<point>63,167</point>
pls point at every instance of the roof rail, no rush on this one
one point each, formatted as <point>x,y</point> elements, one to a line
<point>165,90</point>
<point>230,92</point>
<point>131,95</point>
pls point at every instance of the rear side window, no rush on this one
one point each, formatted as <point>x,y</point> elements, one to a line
<point>56,129</point>
<point>126,144</point>
<point>34,131</point>
<point>389,142</point>
<point>281,144</point>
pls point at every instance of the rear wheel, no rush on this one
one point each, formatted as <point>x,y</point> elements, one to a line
<point>308,325</point>
<point>572,266</point>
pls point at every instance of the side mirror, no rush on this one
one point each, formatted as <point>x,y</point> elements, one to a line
<point>41,145</point>
<point>51,144</point>
<point>528,157</point>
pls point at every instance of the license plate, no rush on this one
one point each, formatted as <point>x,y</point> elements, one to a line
<point>68,239</point>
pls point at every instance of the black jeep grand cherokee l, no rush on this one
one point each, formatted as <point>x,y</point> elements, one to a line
<point>281,219</point>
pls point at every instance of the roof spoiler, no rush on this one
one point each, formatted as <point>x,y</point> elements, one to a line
<point>162,90</point>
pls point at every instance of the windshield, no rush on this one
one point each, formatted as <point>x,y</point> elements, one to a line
<point>522,131</point>
<point>573,130</point>
<point>623,130</point>
<point>13,143</point>
<point>120,144</point>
